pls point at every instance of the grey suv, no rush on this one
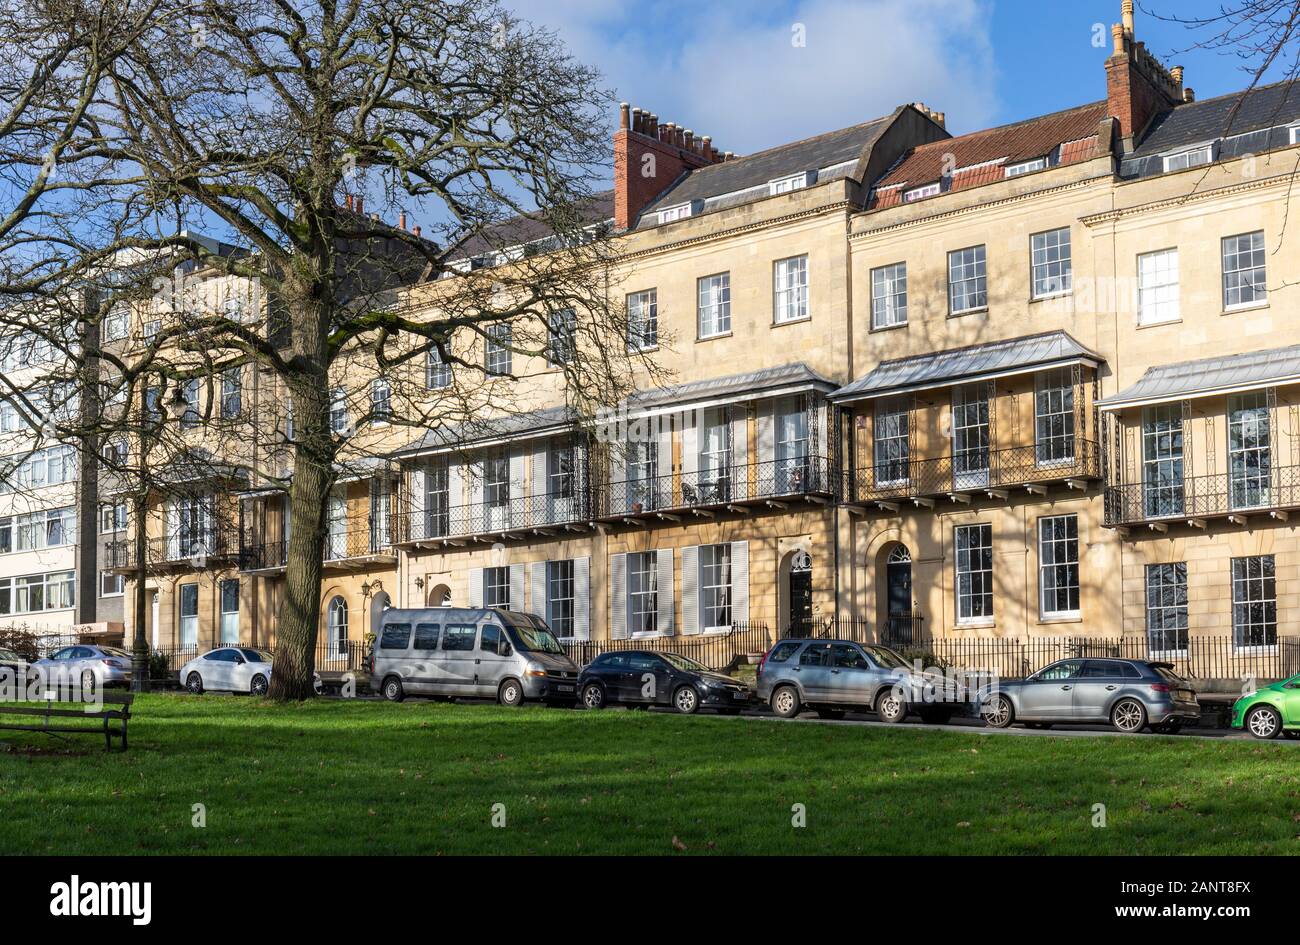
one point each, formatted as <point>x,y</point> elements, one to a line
<point>1130,694</point>
<point>831,676</point>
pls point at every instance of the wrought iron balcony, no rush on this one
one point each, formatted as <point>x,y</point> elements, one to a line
<point>188,548</point>
<point>438,522</point>
<point>978,471</point>
<point>1193,499</point>
<point>343,549</point>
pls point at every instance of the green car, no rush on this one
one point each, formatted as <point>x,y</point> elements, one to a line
<point>1270,711</point>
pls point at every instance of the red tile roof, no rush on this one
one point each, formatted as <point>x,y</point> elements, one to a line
<point>980,157</point>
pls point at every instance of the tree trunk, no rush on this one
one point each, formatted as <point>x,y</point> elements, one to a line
<point>299,617</point>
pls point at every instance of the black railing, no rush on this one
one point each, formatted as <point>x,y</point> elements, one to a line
<point>370,540</point>
<point>263,556</point>
<point>496,515</point>
<point>975,470</point>
<point>1195,497</point>
<point>717,651</point>
<point>191,547</point>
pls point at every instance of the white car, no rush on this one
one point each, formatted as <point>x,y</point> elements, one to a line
<point>228,669</point>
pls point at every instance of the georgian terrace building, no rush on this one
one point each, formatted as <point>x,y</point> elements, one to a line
<point>1033,380</point>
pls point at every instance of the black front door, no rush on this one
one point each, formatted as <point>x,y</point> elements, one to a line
<point>801,590</point>
<point>898,580</point>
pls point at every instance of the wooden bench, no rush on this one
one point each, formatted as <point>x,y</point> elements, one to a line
<point>116,708</point>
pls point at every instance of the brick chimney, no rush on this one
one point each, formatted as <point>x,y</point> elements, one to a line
<point>1137,85</point>
<point>648,157</point>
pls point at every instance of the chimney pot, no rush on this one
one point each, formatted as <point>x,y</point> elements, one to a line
<point>401,220</point>
<point>624,115</point>
<point>361,205</point>
<point>416,231</point>
<point>1126,15</point>
<point>1177,73</point>
<point>347,201</point>
<point>1189,95</point>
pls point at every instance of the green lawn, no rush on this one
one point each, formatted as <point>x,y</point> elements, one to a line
<point>342,777</point>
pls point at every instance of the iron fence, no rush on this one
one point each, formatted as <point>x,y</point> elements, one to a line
<point>1206,496</point>
<point>347,656</point>
<point>905,631</point>
<point>1051,461</point>
<point>194,546</point>
<point>717,651</point>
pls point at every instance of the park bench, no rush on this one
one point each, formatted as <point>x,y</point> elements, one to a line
<point>57,718</point>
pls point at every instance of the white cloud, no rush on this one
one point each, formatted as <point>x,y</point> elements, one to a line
<point>731,71</point>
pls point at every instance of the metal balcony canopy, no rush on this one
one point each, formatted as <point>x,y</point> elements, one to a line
<point>734,388</point>
<point>1209,377</point>
<point>973,363</point>
<point>503,429</point>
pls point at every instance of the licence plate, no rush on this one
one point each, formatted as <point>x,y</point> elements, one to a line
<point>561,687</point>
<point>740,695</point>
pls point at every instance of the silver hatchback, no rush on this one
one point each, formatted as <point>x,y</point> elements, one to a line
<point>1129,694</point>
<point>832,676</point>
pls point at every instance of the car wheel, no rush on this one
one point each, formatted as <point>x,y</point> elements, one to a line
<point>258,686</point>
<point>998,712</point>
<point>1264,722</point>
<point>891,707</point>
<point>1128,716</point>
<point>593,696</point>
<point>511,693</point>
<point>785,702</point>
<point>686,700</point>
<point>830,713</point>
<point>393,691</point>
<point>194,683</point>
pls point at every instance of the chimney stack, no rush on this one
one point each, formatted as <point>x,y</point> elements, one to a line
<point>347,201</point>
<point>1138,86</point>
<point>401,220</point>
<point>649,156</point>
<point>360,205</point>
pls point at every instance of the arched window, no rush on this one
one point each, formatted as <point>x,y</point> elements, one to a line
<point>900,555</point>
<point>338,625</point>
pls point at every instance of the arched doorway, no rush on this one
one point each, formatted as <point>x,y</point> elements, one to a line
<point>439,596</point>
<point>798,596</point>
<point>898,619</point>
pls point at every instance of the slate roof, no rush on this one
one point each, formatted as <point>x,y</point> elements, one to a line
<point>1207,376</point>
<point>745,178</point>
<point>1257,125</point>
<point>532,227</point>
<point>980,157</point>
<point>528,424</point>
<point>955,365</point>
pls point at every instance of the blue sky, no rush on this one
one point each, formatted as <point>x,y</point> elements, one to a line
<point>731,70</point>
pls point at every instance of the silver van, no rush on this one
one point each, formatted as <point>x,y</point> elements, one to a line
<point>461,651</point>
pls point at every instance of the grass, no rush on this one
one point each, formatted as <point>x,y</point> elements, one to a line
<point>342,777</point>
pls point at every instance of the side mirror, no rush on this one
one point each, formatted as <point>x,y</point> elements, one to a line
<point>507,650</point>
<point>240,660</point>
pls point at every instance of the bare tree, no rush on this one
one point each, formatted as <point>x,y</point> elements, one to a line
<point>273,123</point>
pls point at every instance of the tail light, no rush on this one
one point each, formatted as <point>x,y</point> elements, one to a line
<point>113,663</point>
<point>762,662</point>
<point>1159,687</point>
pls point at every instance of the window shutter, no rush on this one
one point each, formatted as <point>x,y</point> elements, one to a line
<point>618,597</point>
<point>456,486</point>
<point>414,524</point>
<point>173,531</point>
<point>690,445</point>
<point>739,452</point>
<point>691,589</point>
<point>518,581</point>
<point>476,587</point>
<point>663,486</point>
<point>518,497</point>
<point>476,488</point>
<point>664,590</point>
<point>582,598</point>
<point>540,504</point>
<point>537,579</point>
<point>739,582</point>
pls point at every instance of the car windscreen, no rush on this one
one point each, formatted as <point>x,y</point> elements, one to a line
<point>9,655</point>
<point>684,662</point>
<point>536,639</point>
<point>256,656</point>
<point>886,657</point>
<point>115,651</point>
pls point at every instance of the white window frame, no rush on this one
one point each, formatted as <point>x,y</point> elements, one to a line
<point>1255,252</point>
<point>497,355</point>
<point>381,401</point>
<point>968,267</point>
<point>1064,573</point>
<point>1026,167</point>
<point>224,614</point>
<point>1048,256</point>
<point>962,566</point>
<point>713,305</point>
<point>643,320</point>
<point>1158,287</point>
<point>338,411</point>
<point>558,581</point>
<point>784,185</point>
<point>113,515</point>
<point>561,337</point>
<point>679,212</point>
<point>1178,608</point>
<point>1294,134</point>
<point>717,587</point>
<point>437,372</point>
<point>920,193</point>
<point>232,392</point>
<point>1191,157</point>
<point>118,581</point>
<point>498,590</point>
<point>642,593</point>
<point>1054,395</point>
<point>187,625</point>
<point>889,295</point>
<point>1248,590</point>
<point>891,442</point>
<point>790,290</point>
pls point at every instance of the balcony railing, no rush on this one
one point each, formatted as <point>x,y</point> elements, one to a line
<point>190,548</point>
<point>978,470</point>
<point>438,521</point>
<point>1201,497</point>
<point>372,540</point>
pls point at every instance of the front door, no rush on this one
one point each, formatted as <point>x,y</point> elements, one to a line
<point>492,660</point>
<point>801,590</point>
<point>898,596</point>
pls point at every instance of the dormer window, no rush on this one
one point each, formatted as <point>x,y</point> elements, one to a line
<point>783,185</point>
<point>1026,167</point>
<point>1196,157</point>
<point>1294,134</point>
<point>679,212</point>
<point>920,193</point>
